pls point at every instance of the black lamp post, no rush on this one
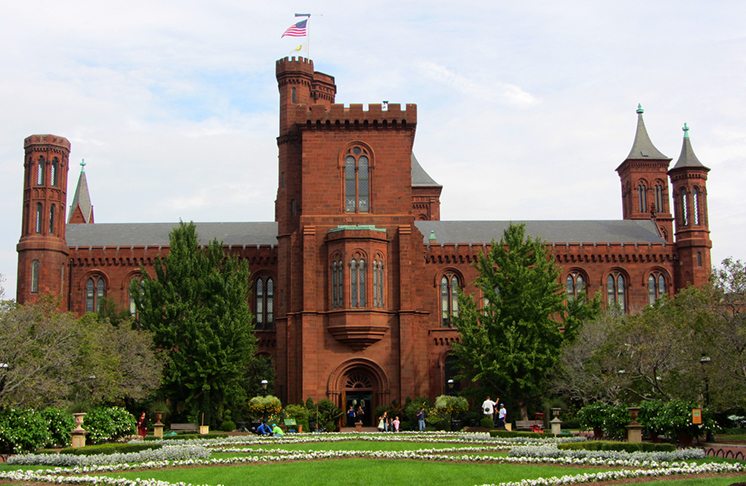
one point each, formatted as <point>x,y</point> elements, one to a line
<point>264,385</point>
<point>705,360</point>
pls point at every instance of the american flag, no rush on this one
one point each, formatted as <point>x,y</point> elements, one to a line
<point>297,30</point>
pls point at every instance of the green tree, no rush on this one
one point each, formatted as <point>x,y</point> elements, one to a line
<point>513,342</point>
<point>197,308</point>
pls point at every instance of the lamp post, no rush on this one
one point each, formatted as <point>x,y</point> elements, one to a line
<point>704,361</point>
<point>264,385</point>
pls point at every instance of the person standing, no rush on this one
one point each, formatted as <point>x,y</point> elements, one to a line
<point>351,416</point>
<point>396,424</point>
<point>421,419</point>
<point>488,408</point>
<point>142,426</point>
<point>502,415</point>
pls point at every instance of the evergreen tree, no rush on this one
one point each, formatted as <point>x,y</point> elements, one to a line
<point>510,345</point>
<point>197,308</point>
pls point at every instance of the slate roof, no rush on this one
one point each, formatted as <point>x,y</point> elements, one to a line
<point>687,158</point>
<point>420,178</point>
<point>156,234</point>
<point>82,199</point>
<point>642,147</point>
<point>478,232</point>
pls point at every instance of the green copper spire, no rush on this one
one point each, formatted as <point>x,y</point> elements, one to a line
<point>686,130</point>
<point>82,165</point>
<point>640,111</point>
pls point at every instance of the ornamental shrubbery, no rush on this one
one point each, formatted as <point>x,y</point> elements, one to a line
<point>22,430</point>
<point>60,425</point>
<point>105,424</point>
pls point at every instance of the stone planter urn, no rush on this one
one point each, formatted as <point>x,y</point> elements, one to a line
<point>158,425</point>
<point>78,434</point>
<point>634,429</point>
<point>359,426</point>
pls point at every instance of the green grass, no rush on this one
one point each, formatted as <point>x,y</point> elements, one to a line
<point>357,472</point>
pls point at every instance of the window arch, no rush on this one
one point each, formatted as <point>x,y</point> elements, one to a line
<point>616,286</point>
<point>264,308</point>
<point>642,196</point>
<point>39,217</point>
<point>357,179</point>
<point>54,174</point>
<point>695,205</point>
<point>95,292</point>
<point>35,267</point>
<point>449,289</point>
<point>40,171</point>
<point>358,272</point>
<point>684,209</point>
<point>52,209</point>
<point>378,280</point>
<point>656,286</point>
<point>658,198</point>
<point>575,285</point>
<point>337,282</point>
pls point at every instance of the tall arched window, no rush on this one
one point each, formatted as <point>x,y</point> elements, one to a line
<point>642,197</point>
<point>615,291</point>
<point>575,284</point>
<point>378,282</point>
<point>337,282</point>
<point>357,282</point>
<point>658,198</point>
<point>40,171</point>
<point>684,209</point>
<point>656,287</point>
<point>695,204</point>
<point>449,289</point>
<point>133,288</point>
<point>55,170</point>
<point>39,217</point>
<point>357,180</point>
<point>264,308</point>
<point>95,291</point>
<point>35,267</point>
<point>52,209</point>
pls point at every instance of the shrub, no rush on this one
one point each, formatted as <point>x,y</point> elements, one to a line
<point>486,422</point>
<point>328,414</point>
<point>60,424</point>
<point>592,416</point>
<point>612,420</point>
<point>600,445</point>
<point>112,448</point>
<point>300,414</point>
<point>108,424</point>
<point>263,407</point>
<point>673,419</point>
<point>228,426</point>
<point>411,407</point>
<point>22,430</point>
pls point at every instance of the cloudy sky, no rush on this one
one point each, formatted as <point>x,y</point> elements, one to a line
<point>525,108</point>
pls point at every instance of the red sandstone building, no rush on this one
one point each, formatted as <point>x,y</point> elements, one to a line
<point>355,281</point>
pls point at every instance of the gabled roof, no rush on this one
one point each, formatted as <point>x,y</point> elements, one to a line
<point>82,200</point>
<point>420,178</point>
<point>156,234</point>
<point>642,147</point>
<point>479,232</point>
<point>687,158</point>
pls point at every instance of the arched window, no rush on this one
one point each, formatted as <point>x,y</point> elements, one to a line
<point>357,282</point>
<point>695,204</point>
<point>133,288</point>
<point>40,171</point>
<point>449,289</point>
<point>684,209</point>
<point>656,287</point>
<point>337,282</point>
<point>55,170</point>
<point>658,198</point>
<point>575,284</point>
<point>35,267</point>
<point>642,197</point>
<point>264,293</point>
<point>51,219</point>
<point>95,291</point>
<point>378,282</point>
<point>357,180</point>
<point>615,291</point>
<point>39,216</point>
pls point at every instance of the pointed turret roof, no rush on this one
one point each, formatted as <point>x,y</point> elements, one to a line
<point>420,178</point>
<point>687,158</point>
<point>81,210</point>
<point>643,148</point>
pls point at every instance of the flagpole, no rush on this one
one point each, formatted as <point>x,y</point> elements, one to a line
<point>308,30</point>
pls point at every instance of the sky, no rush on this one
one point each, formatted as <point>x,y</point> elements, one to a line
<point>525,109</point>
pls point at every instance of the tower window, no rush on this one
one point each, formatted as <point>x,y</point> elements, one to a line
<point>39,216</point>
<point>684,209</point>
<point>51,219</point>
<point>575,284</point>
<point>35,267</point>
<point>695,204</point>
<point>357,282</point>
<point>337,283</point>
<point>449,289</point>
<point>642,197</point>
<point>40,170</point>
<point>95,291</point>
<point>378,283</point>
<point>658,198</point>
<point>265,303</point>
<point>656,287</point>
<point>54,172</point>
<point>357,180</point>
<point>615,291</point>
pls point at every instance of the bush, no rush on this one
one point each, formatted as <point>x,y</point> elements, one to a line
<point>673,419</point>
<point>328,414</point>
<point>60,424</point>
<point>300,414</point>
<point>228,426</point>
<point>592,416</point>
<point>611,420</point>
<point>113,448</point>
<point>264,407</point>
<point>411,407</point>
<point>22,430</point>
<point>600,445</point>
<point>486,422</point>
<point>108,424</point>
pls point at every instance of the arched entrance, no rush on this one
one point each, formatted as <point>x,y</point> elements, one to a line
<point>361,383</point>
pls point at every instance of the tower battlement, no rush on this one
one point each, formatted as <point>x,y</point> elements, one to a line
<point>356,114</point>
<point>289,66</point>
<point>46,139</point>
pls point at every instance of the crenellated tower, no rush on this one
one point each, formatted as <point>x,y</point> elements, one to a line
<point>689,182</point>
<point>644,182</point>
<point>42,249</point>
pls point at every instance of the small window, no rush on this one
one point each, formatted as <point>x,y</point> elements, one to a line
<point>51,219</point>
<point>615,291</point>
<point>264,295</point>
<point>39,217</point>
<point>357,180</point>
<point>133,288</point>
<point>35,267</point>
<point>642,197</point>
<point>658,198</point>
<point>695,205</point>
<point>575,284</point>
<point>40,172</point>
<point>358,272</point>
<point>54,174</point>
<point>449,290</point>
<point>337,283</point>
<point>378,282</point>
<point>684,209</point>
<point>656,287</point>
<point>95,292</point>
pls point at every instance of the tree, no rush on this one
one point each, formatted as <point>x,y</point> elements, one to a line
<point>513,342</point>
<point>197,308</point>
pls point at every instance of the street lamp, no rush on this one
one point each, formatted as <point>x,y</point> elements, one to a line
<point>264,385</point>
<point>705,360</point>
<point>450,384</point>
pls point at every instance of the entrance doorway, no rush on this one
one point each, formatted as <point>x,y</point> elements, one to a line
<point>358,393</point>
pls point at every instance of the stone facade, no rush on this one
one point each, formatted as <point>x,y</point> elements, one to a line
<point>354,282</point>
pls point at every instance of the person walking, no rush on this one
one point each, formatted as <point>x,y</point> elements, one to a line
<point>421,419</point>
<point>488,408</point>
<point>502,415</point>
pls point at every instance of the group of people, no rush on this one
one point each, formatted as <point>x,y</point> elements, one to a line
<point>355,414</point>
<point>274,430</point>
<point>488,408</point>
<point>386,424</point>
